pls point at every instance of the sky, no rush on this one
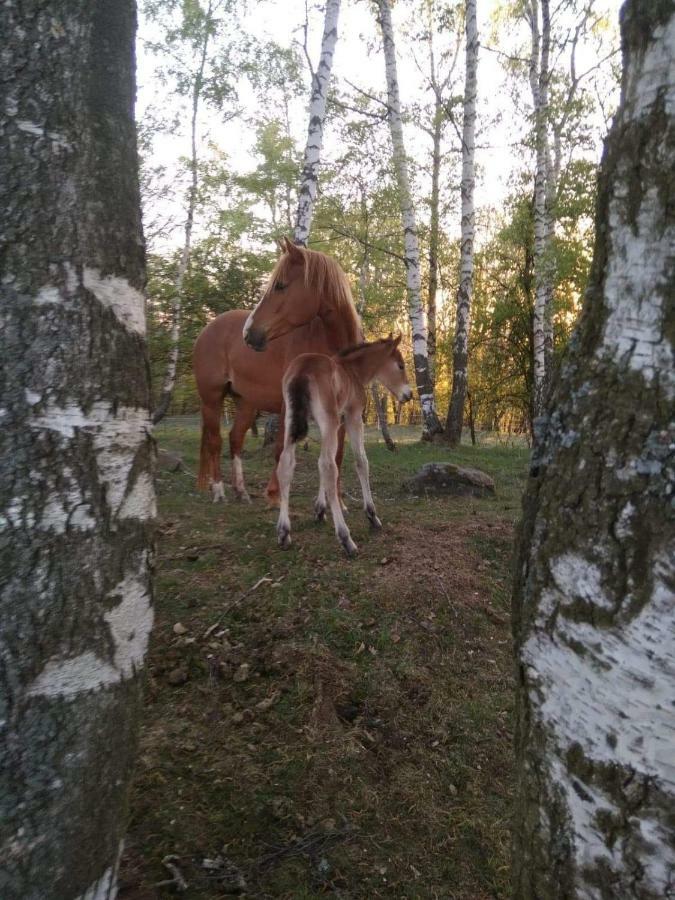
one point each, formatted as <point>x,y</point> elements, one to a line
<point>358,58</point>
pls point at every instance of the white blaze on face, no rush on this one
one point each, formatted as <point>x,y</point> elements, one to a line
<point>249,321</point>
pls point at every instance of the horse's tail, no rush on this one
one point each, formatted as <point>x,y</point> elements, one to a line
<point>298,401</point>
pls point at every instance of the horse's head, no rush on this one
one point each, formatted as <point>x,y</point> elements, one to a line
<point>289,300</point>
<point>391,372</point>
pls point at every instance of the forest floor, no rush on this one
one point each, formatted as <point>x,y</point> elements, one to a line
<point>315,725</point>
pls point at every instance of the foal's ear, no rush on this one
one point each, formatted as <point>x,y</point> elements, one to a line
<point>397,340</point>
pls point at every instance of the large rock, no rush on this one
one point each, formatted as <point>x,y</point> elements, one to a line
<point>170,461</point>
<point>447,478</point>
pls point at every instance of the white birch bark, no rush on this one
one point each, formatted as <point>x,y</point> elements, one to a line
<point>594,604</point>
<point>455,420</point>
<point>416,310</point>
<point>317,113</point>
<point>76,488</point>
<point>539,75</point>
<point>177,304</point>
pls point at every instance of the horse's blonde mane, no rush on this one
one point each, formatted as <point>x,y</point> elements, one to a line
<point>325,276</point>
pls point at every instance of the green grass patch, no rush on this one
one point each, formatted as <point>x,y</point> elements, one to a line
<point>315,724</point>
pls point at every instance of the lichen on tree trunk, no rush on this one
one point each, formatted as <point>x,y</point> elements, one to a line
<point>76,490</point>
<point>594,600</point>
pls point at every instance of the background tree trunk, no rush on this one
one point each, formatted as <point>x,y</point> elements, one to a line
<point>539,75</point>
<point>460,355</point>
<point>594,617</point>
<point>317,114</point>
<point>172,365</point>
<point>76,487</point>
<point>434,239</point>
<point>416,312</point>
<point>381,410</point>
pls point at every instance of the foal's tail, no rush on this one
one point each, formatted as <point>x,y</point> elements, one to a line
<point>298,400</point>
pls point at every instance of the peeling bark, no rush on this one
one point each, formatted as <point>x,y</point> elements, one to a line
<point>76,491</point>
<point>416,310</point>
<point>460,355</point>
<point>594,600</point>
<point>309,178</point>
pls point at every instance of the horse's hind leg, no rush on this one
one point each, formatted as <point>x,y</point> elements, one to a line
<point>243,417</point>
<point>210,474</point>
<point>272,489</point>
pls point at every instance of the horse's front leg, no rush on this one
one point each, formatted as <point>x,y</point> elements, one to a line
<point>244,415</point>
<point>355,431</point>
<point>272,489</point>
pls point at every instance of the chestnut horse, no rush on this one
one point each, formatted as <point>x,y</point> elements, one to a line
<point>307,307</point>
<point>329,388</point>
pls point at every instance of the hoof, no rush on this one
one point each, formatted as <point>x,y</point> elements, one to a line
<point>319,512</point>
<point>372,518</point>
<point>242,496</point>
<point>217,491</point>
<point>284,538</point>
<point>348,545</point>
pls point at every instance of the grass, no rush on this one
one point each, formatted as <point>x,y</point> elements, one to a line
<point>339,726</point>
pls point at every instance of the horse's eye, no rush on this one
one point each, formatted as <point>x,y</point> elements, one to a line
<point>401,366</point>
<point>279,285</point>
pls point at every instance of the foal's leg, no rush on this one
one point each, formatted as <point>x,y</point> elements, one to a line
<point>339,454</point>
<point>355,430</point>
<point>243,417</point>
<point>285,471</point>
<point>328,472</point>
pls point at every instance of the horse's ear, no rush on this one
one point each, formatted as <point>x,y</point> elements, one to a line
<point>294,251</point>
<point>397,340</point>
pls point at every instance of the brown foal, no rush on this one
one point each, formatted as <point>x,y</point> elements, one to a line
<point>330,388</point>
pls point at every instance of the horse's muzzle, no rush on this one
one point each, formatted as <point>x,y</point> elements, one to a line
<point>256,338</point>
<point>406,395</point>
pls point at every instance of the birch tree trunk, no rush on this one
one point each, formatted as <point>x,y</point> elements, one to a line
<point>416,311</point>
<point>460,355</point>
<point>594,601</point>
<point>434,226</point>
<point>172,364</point>
<point>317,114</point>
<point>539,75</point>
<point>380,403</point>
<point>76,490</point>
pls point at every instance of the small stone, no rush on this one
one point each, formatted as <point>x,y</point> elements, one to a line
<point>237,718</point>
<point>243,672</point>
<point>179,628</point>
<point>178,676</point>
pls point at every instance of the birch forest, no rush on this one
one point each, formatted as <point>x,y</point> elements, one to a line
<point>451,172</point>
<point>418,258</point>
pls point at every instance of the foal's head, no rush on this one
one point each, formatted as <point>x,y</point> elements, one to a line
<point>304,284</point>
<point>391,372</point>
<point>382,360</point>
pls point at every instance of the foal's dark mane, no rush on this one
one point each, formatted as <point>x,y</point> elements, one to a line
<point>343,354</point>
